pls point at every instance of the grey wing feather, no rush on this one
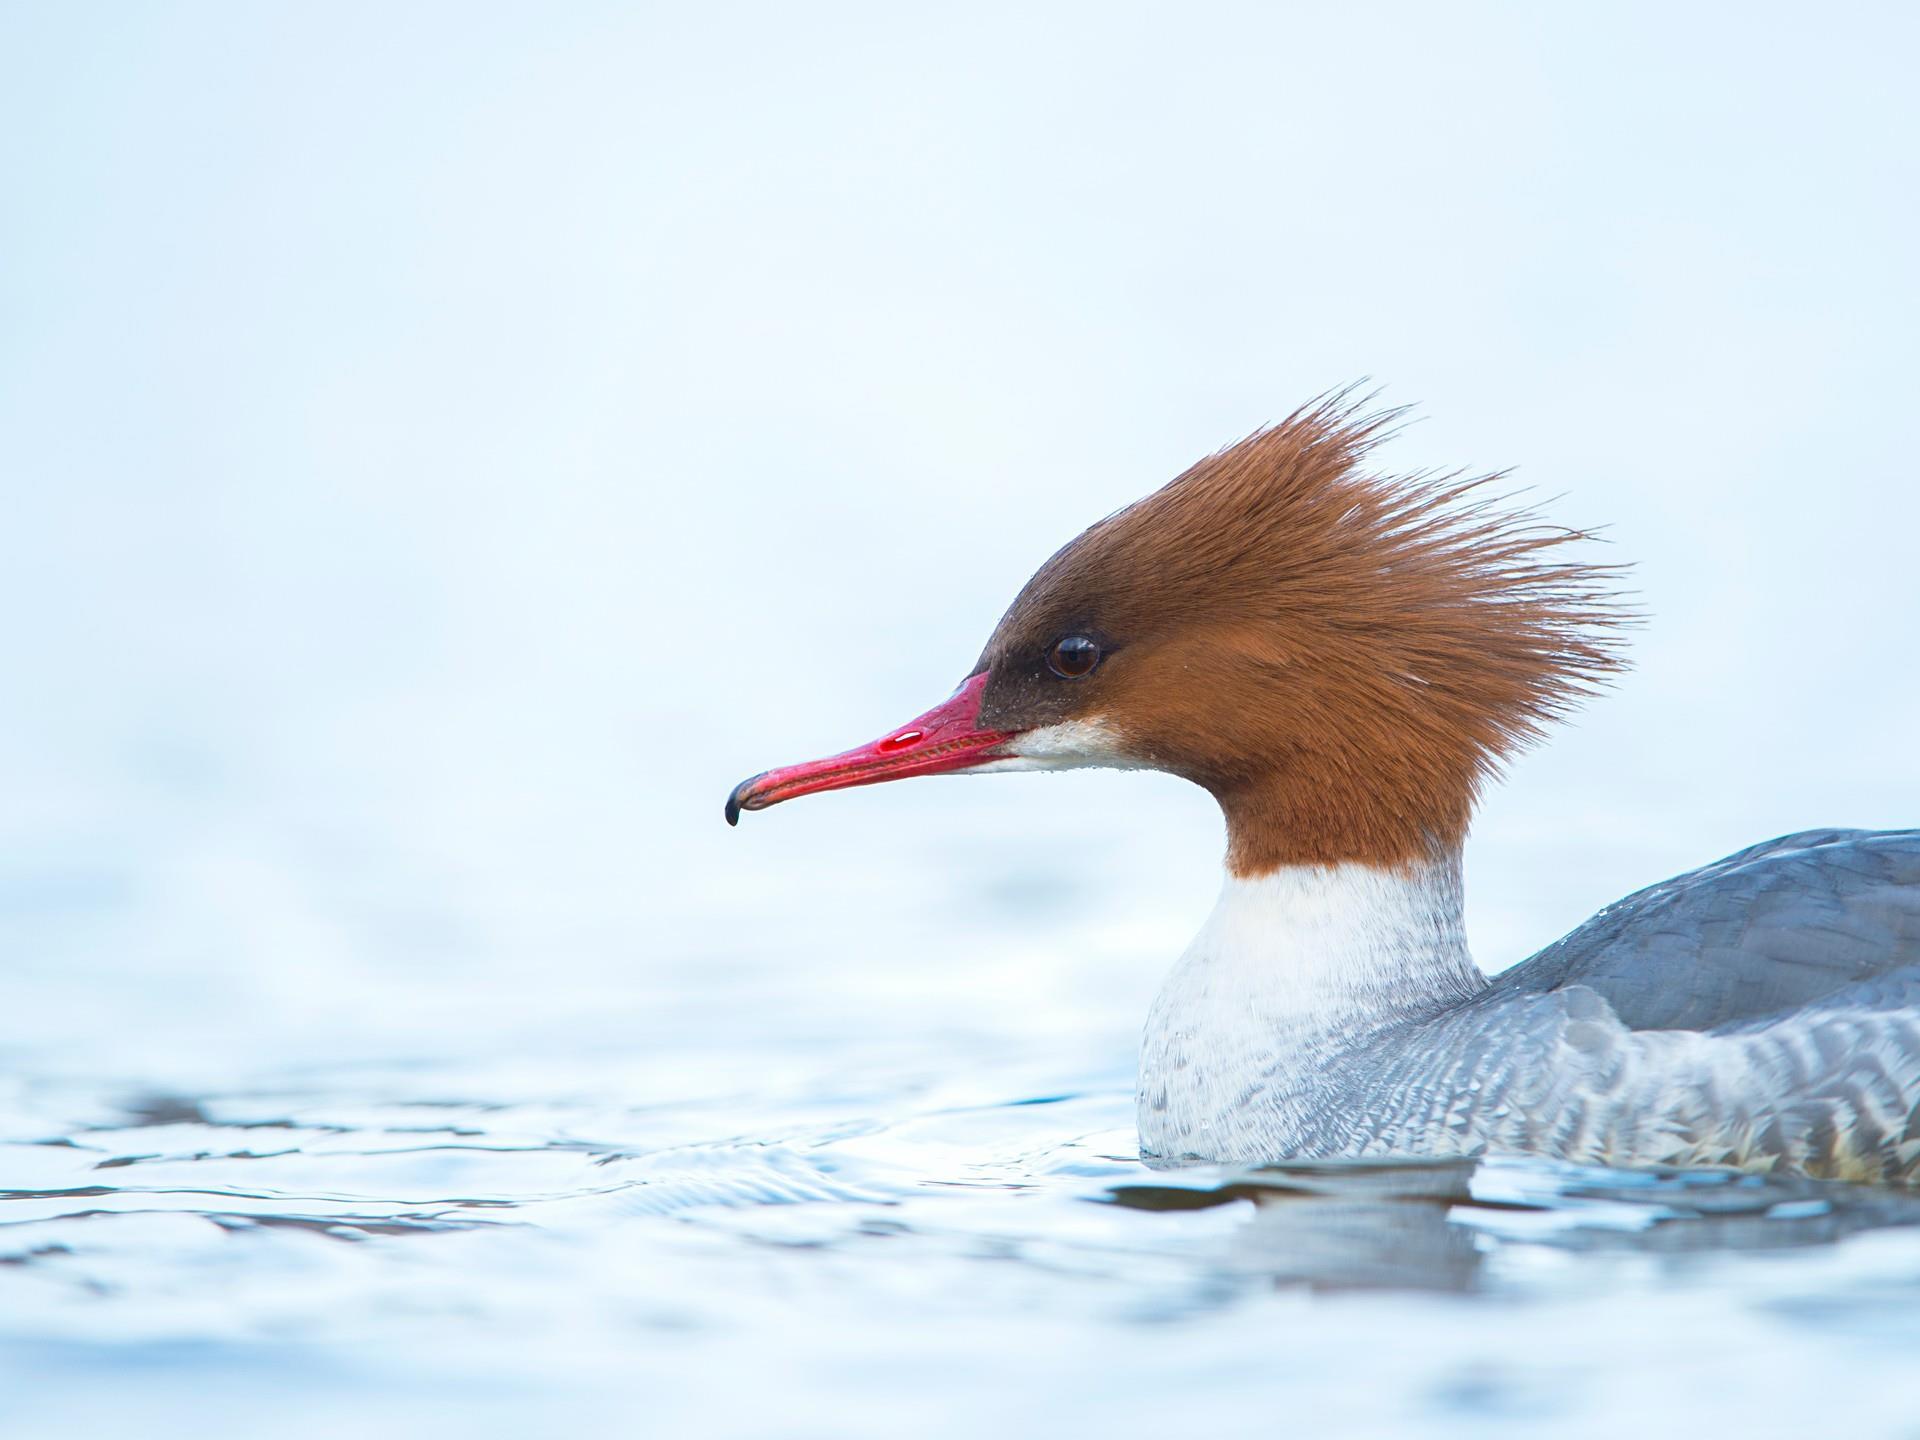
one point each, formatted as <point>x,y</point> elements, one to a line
<point>1822,919</point>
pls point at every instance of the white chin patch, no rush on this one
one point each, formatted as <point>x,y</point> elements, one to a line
<point>1070,745</point>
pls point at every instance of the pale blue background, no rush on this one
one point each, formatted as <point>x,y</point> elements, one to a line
<point>467,438</point>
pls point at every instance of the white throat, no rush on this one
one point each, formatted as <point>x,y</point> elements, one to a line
<point>1293,971</point>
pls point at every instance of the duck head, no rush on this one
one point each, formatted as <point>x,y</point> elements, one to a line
<point>1341,658</point>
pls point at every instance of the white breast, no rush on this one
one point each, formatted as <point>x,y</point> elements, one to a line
<point>1292,970</point>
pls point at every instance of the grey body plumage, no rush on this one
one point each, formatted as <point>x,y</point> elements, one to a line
<point>1776,928</point>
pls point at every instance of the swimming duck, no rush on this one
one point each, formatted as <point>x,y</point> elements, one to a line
<point>1344,659</point>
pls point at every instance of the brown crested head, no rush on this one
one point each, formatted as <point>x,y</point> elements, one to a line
<point>1342,658</point>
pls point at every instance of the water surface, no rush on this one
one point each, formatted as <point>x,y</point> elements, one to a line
<point>936,1228</point>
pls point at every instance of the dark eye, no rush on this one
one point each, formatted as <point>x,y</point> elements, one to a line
<point>1073,657</point>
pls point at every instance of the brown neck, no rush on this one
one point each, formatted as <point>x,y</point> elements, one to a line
<point>1275,821</point>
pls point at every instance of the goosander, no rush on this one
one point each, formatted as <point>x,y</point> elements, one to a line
<point>1343,659</point>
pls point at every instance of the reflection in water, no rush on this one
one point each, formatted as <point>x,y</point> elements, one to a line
<point>1413,1225</point>
<point>1342,1226</point>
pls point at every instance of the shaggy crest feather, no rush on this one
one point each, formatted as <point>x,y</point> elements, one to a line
<point>1342,657</point>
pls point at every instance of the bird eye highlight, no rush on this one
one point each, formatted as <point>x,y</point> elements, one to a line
<point>1073,657</point>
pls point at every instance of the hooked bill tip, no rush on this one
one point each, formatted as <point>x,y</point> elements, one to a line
<point>733,798</point>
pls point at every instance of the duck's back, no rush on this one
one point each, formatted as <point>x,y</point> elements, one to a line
<point>1810,921</point>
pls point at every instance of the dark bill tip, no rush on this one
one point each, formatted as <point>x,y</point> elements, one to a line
<point>737,795</point>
